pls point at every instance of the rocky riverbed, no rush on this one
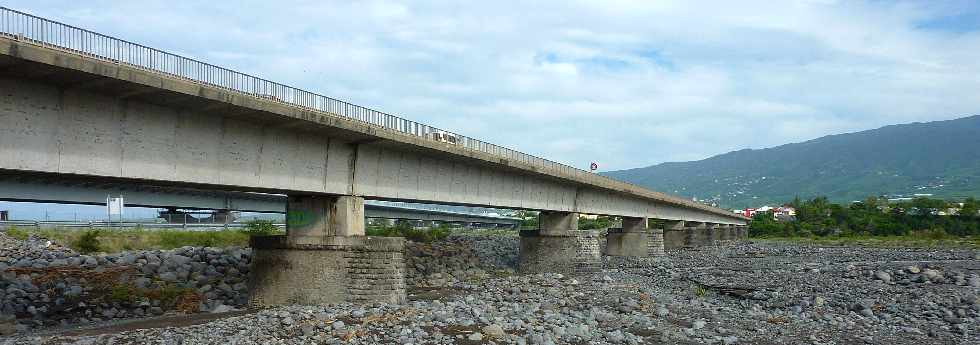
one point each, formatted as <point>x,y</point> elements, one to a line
<point>463,291</point>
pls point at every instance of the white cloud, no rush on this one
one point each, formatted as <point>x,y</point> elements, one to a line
<point>627,83</point>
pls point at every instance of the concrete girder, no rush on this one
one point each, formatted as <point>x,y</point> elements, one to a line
<point>255,156</point>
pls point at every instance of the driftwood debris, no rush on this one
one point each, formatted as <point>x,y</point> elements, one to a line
<point>739,292</point>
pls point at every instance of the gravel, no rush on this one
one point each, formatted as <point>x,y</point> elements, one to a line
<point>463,291</point>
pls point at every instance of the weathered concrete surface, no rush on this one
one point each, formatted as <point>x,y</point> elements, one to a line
<point>633,239</point>
<point>102,118</point>
<point>742,232</point>
<point>572,252</point>
<point>634,224</point>
<point>628,243</point>
<point>694,234</point>
<point>675,234</point>
<point>353,269</point>
<point>674,239</point>
<point>711,235</point>
<point>311,217</point>
<point>557,223</point>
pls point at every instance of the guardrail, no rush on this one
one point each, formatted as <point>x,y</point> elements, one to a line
<point>39,224</point>
<point>26,27</point>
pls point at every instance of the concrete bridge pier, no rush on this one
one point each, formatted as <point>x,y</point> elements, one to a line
<point>724,234</point>
<point>712,233</point>
<point>631,240</point>
<point>674,234</point>
<point>324,258</point>
<point>558,246</point>
<point>694,234</point>
<point>741,232</point>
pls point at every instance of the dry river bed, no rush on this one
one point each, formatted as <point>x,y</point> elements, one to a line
<point>751,293</point>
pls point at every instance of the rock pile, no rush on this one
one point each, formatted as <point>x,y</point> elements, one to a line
<point>42,283</point>
<point>750,293</point>
<point>458,258</point>
<point>45,284</point>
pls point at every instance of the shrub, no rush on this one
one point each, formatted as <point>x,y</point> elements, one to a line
<point>121,293</point>
<point>932,234</point>
<point>88,242</point>
<point>260,227</point>
<point>406,230</point>
<point>17,233</point>
<point>426,235</point>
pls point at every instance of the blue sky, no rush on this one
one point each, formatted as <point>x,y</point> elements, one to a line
<point>624,83</point>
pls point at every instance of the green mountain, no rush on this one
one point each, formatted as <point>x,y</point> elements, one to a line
<point>941,158</point>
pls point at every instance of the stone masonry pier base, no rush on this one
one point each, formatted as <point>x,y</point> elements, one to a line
<point>631,240</point>
<point>339,269</point>
<point>632,243</point>
<point>571,252</point>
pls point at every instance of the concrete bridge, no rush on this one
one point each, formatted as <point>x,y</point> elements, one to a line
<point>77,104</point>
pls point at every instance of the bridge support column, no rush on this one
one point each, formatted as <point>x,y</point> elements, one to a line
<point>324,258</point>
<point>712,234</point>
<point>631,240</point>
<point>694,234</point>
<point>557,246</point>
<point>724,234</point>
<point>675,234</point>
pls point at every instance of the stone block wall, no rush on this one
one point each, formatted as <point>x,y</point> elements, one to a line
<point>572,252</point>
<point>655,244</point>
<point>353,269</point>
<point>630,243</point>
<point>375,275</point>
<point>587,258</point>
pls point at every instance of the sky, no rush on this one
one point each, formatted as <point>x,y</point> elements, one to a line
<point>623,83</point>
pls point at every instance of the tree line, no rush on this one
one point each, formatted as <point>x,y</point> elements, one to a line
<point>873,216</point>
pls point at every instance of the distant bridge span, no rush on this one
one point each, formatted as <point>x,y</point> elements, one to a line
<point>62,190</point>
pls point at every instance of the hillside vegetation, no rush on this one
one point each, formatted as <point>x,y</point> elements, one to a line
<point>925,220</point>
<point>940,158</point>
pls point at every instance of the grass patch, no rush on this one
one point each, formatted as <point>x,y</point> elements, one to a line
<point>17,233</point>
<point>698,290</point>
<point>118,240</point>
